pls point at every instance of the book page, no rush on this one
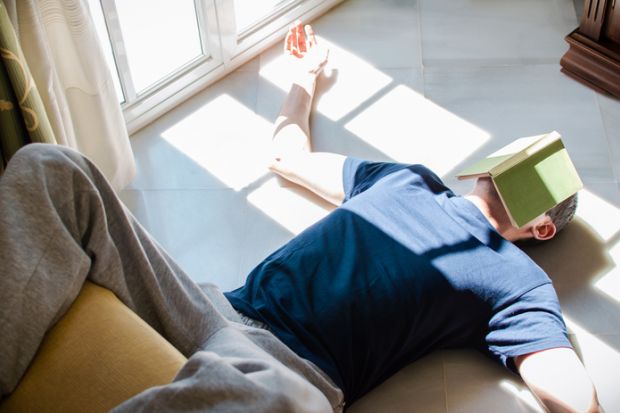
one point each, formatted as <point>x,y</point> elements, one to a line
<point>516,146</point>
<point>533,144</point>
<point>509,156</point>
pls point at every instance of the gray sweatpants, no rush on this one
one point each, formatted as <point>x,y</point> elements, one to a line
<point>60,224</point>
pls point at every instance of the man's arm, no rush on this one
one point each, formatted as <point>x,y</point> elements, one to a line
<point>319,172</point>
<point>559,380</point>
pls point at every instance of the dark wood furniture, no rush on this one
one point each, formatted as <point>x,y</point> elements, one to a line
<point>594,54</point>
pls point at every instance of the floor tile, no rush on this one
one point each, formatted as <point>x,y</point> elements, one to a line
<point>474,383</point>
<point>402,125</point>
<point>214,140</point>
<point>202,229</point>
<point>418,387</point>
<point>610,110</point>
<point>374,128</point>
<point>512,102</point>
<point>384,34</point>
<point>497,32</point>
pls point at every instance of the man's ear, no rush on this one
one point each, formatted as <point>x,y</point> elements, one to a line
<point>544,230</point>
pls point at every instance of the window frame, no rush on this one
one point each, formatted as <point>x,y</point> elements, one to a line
<point>227,49</point>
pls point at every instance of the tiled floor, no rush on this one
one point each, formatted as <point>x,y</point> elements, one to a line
<point>434,81</point>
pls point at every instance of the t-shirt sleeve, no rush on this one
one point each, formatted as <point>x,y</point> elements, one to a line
<point>531,323</point>
<point>358,175</point>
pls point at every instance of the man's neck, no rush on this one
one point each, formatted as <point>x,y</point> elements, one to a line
<point>485,198</point>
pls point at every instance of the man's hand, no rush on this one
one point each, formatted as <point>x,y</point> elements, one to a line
<point>306,55</point>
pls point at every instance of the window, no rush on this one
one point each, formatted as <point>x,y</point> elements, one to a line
<point>249,12</point>
<point>160,52</point>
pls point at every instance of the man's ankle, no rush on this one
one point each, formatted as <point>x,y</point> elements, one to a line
<point>307,81</point>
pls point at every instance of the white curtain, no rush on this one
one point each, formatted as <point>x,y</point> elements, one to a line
<point>60,45</point>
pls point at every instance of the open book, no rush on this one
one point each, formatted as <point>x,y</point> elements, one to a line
<point>531,175</point>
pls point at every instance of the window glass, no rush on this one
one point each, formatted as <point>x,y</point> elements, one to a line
<point>249,12</point>
<point>160,36</point>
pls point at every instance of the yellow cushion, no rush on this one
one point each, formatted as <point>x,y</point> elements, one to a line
<point>97,356</point>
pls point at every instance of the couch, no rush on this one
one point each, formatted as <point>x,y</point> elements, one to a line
<point>99,354</point>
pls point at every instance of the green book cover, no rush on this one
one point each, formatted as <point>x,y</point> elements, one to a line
<point>531,175</point>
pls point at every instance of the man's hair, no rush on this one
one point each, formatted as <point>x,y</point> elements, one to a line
<point>563,213</point>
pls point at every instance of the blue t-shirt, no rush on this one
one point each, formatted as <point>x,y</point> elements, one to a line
<point>402,268</point>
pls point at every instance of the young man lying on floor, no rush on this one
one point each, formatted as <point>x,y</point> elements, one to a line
<point>401,268</point>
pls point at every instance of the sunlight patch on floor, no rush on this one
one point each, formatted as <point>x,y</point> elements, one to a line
<point>610,282</point>
<point>604,218</point>
<point>355,80</point>
<point>227,139</point>
<point>522,394</point>
<point>409,128</point>
<point>292,207</point>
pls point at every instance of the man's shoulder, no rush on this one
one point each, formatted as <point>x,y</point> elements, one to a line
<point>418,175</point>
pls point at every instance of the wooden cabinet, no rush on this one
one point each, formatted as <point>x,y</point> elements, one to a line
<point>594,54</point>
